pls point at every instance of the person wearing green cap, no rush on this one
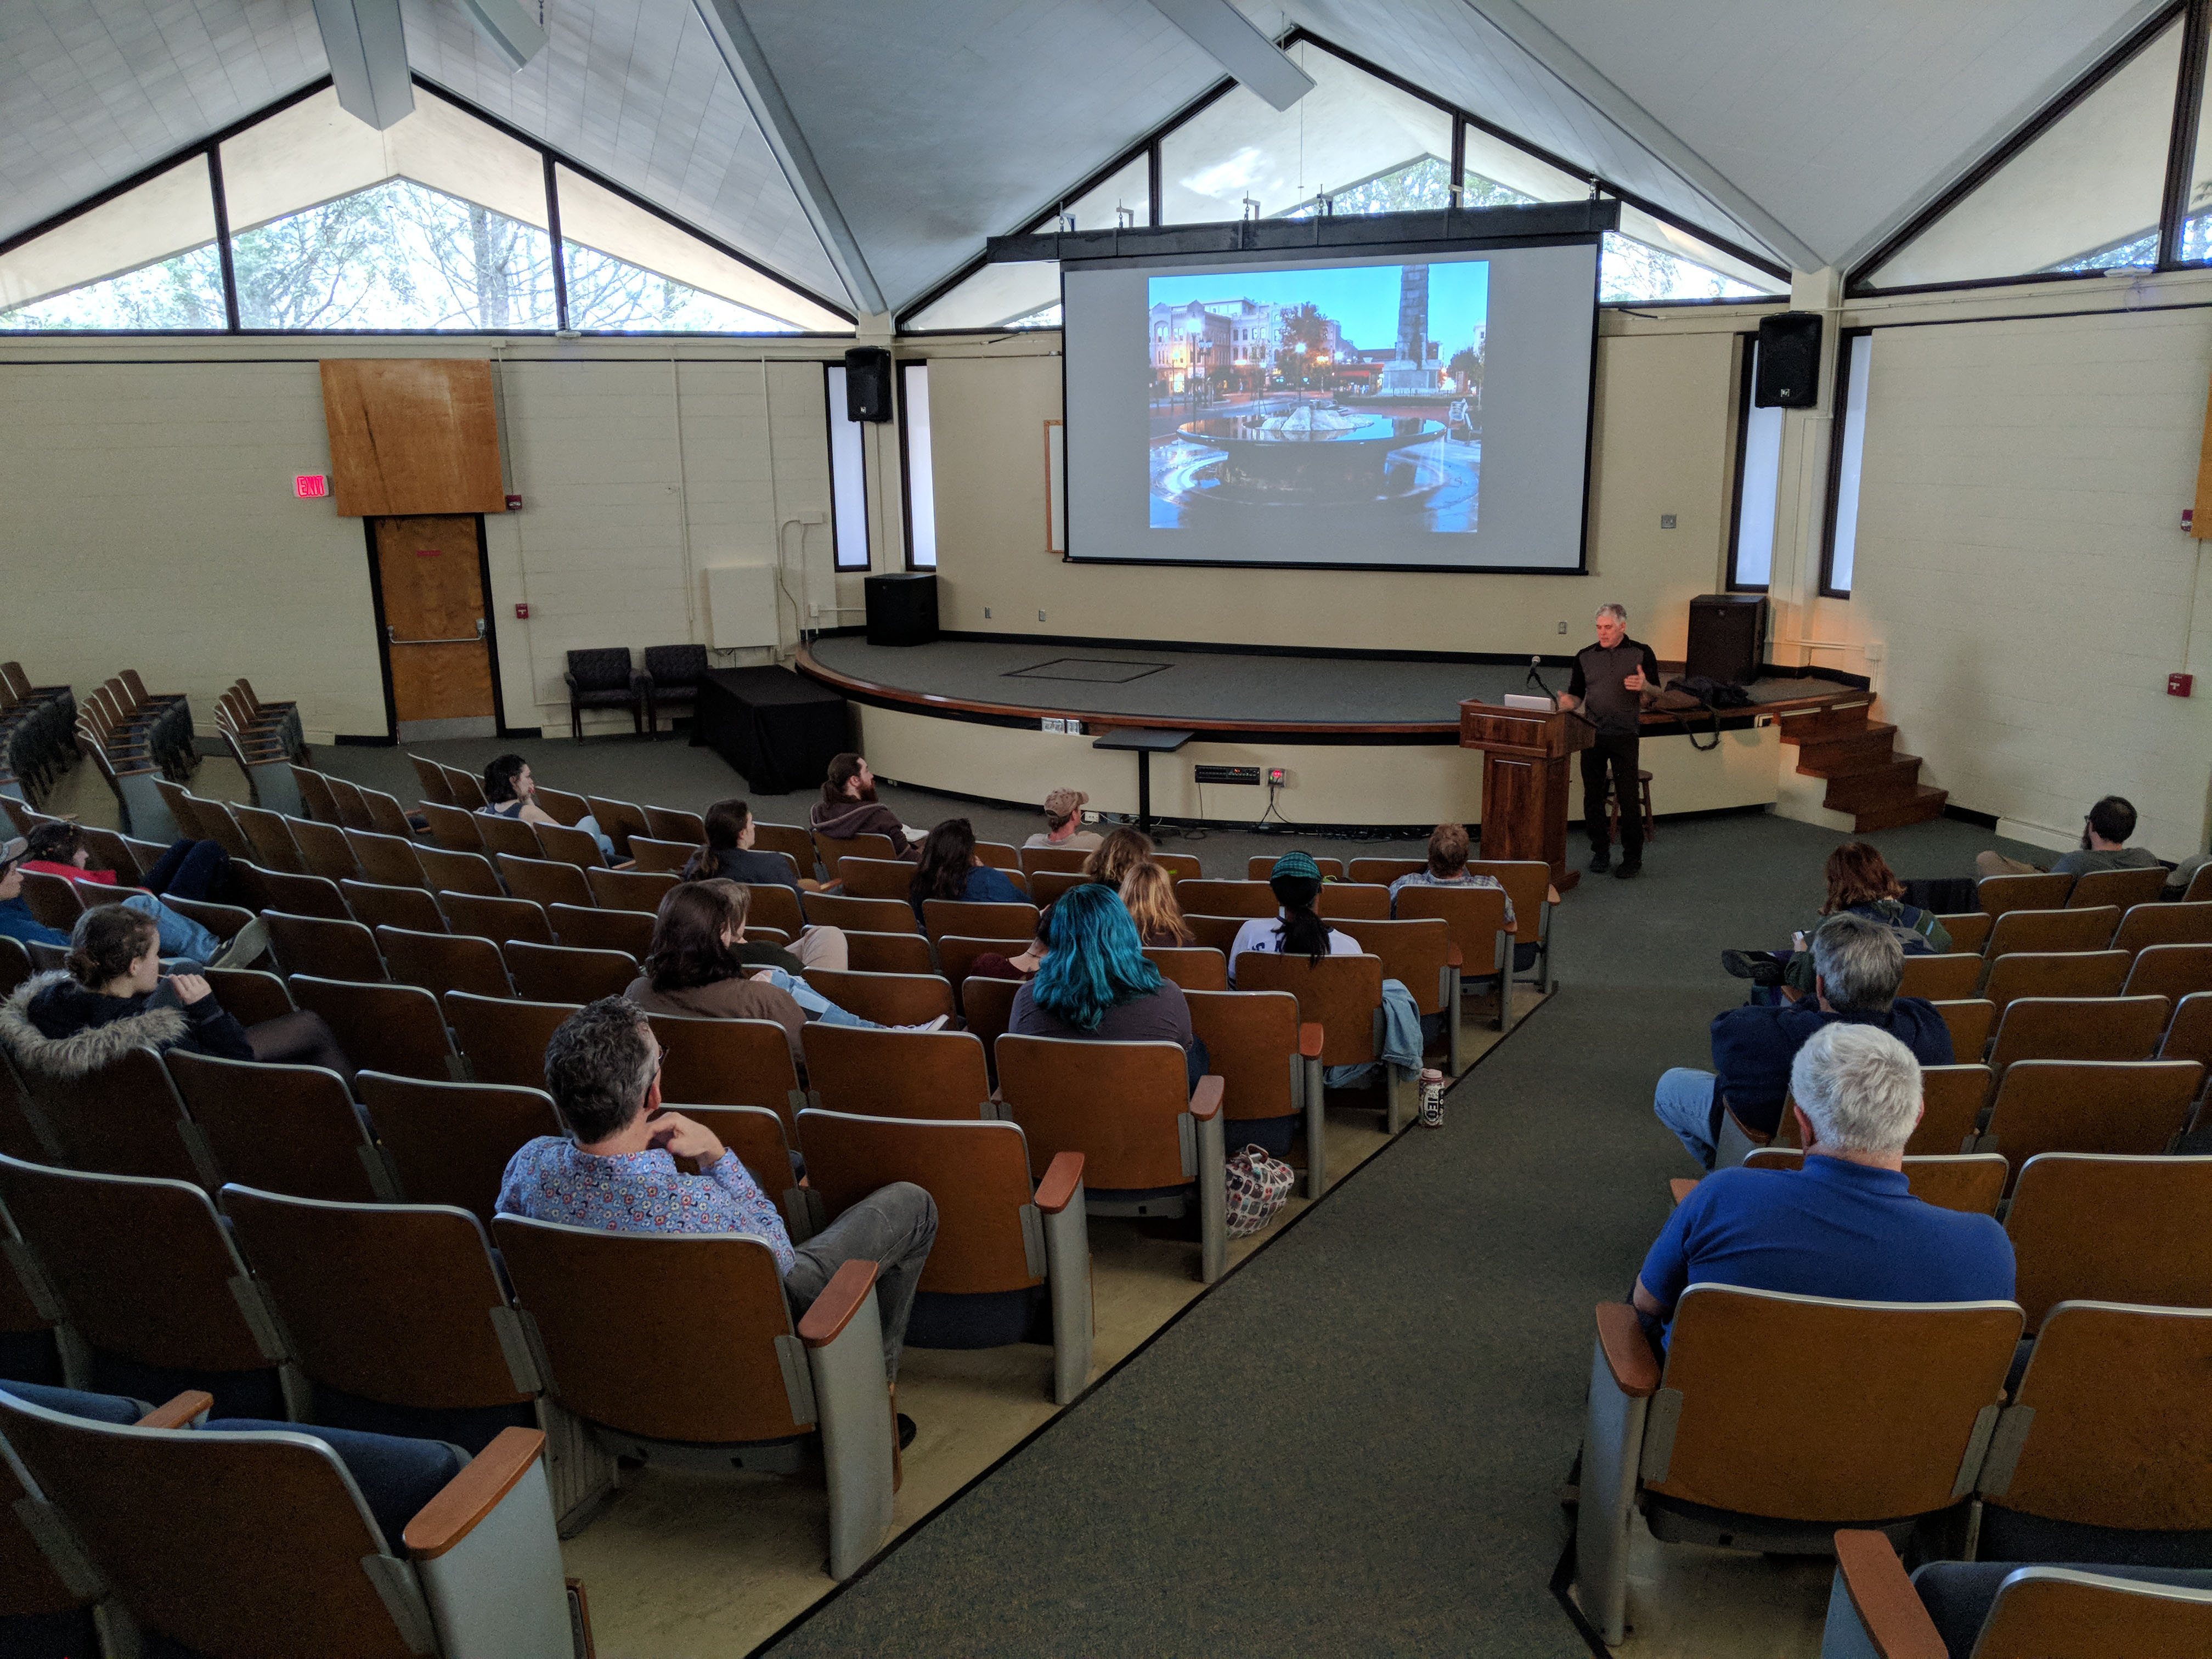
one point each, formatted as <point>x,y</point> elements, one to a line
<point>1298,930</point>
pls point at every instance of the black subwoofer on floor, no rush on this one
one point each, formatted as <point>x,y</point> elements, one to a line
<point>1727,637</point>
<point>902,608</point>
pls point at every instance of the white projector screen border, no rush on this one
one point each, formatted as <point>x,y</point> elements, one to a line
<point>1563,309</point>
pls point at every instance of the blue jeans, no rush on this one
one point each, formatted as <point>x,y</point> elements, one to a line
<point>811,1002</point>
<point>589,825</point>
<point>1683,1103</point>
<point>180,935</point>
<point>1401,1041</point>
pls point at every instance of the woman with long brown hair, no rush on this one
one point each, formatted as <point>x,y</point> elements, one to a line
<point>728,852</point>
<point>1121,851</point>
<point>949,869</point>
<point>1861,882</point>
<point>1148,890</point>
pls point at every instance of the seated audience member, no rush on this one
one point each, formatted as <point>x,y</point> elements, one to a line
<point>2180,877</point>
<point>728,852</point>
<point>2104,847</point>
<point>1860,882</point>
<point>1096,984</point>
<point>1148,892</point>
<point>948,868</point>
<point>1846,1225</point>
<point>695,966</point>
<point>114,996</point>
<point>1857,965</point>
<point>16,920</point>
<point>1063,822</point>
<point>1121,851</point>
<point>510,792</point>
<point>849,808</point>
<point>190,869</point>
<point>1447,850</point>
<point>617,1171</point>
<point>1297,930</point>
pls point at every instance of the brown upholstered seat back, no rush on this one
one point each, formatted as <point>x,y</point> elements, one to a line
<point>1016,923</point>
<point>1340,994</point>
<point>582,927</point>
<point>450,1142</point>
<point>1940,978</point>
<point>387,1028</point>
<point>1195,967</point>
<point>1412,952</point>
<point>2054,974</point>
<point>449,872</point>
<point>553,973</point>
<point>503,1040</point>
<point>498,919</point>
<point>886,998</point>
<point>2061,1028</point>
<point>1251,1040</point>
<point>876,878</point>
<point>375,906</point>
<point>285,1129</point>
<point>725,1062</point>
<point>978,1173</point>
<point>2089,1226</point>
<point>1951,1102</point>
<point>916,1074</point>
<point>860,915</point>
<point>2052,930</point>
<point>1206,897</point>
<point>442,962</point>
<point>1117,1103</point>
<point>629,889</point>
<point>2164,924</point>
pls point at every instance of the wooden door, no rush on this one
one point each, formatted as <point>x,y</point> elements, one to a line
<point>436,618</point>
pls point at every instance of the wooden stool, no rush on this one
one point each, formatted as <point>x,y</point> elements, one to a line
<point>1643,801</point>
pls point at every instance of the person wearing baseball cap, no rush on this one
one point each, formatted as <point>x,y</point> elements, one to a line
<point>16,920</point>
<point>1063,822</point>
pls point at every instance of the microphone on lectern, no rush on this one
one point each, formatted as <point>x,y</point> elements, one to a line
<point>1535,678</point>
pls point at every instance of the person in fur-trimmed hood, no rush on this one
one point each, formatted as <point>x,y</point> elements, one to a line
<point>114,998</point>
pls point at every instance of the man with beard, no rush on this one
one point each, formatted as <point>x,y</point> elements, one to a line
<point>849,808</point>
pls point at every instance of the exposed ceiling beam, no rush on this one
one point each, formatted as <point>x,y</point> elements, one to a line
<point>1580,76</point>
<point>748,65</point>
<point>512,27</point>
<point>366,47</point>
<point>1227,36</point>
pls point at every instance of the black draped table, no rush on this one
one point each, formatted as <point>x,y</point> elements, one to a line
<point>780,730</point>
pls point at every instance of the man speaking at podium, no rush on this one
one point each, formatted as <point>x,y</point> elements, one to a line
<point>1613,680</point>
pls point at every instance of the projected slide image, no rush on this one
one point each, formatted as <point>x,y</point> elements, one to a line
<point>1321,394</point>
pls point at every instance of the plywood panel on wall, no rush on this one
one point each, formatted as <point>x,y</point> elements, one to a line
<point>411,435</point>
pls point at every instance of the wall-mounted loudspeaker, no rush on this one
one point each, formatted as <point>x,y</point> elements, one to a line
<point>1788,360</point>
<point>868,384</point>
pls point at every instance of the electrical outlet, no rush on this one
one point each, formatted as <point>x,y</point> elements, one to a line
<point>1562,628</point>
<point>1278,777</point>
<point>987,613</point>
<point>1040,616</point>
<point>1666,521</point>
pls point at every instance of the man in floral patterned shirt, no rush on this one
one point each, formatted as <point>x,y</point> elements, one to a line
<point>618,1171</point>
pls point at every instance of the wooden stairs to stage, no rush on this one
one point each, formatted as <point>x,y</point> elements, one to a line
<point>1868,779</point>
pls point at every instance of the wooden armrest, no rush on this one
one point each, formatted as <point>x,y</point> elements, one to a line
<point>1206,1099</point>
<point>1453,959</point>
<point>1627,1355</point>
<point>473,1493</point>
<point>191,1404</point>
<point>1310,1037</point>
<point>1060,1182</point>
<point>1883,1597</point>
<point>840,1300</point>
<point>1681,1187</point>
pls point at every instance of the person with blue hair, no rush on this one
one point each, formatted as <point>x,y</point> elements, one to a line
<point>1095,982</point>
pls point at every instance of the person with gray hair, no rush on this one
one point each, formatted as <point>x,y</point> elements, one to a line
<point>1613,680</point>
<point>1857,966</point>
<point>1846,1225</point>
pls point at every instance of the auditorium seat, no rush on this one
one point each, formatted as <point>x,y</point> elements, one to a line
<point>988,1006</point>
<point>1203,897</point>
<point>1047,885</point>
<point>1183,867</point>
<point>388,861</point>
<point>445,871</point>
<point>2052,930</point>
<point>1003,1245</point>
<point>352,809</point>
<point>673,824</point>
<point>2098,1227</point>
<point>270,838</point>
<point>1528,883</point>
<point>509,836</point>
<point>1343,900</point>
<point>1194,968</point>
<point>831,849</point>
<point>46,1615</point>
<point>565,809</point>
<point>2061,1028</point>
<point>1214,932</point>
<point>886,998</point>
<point>544,881</point>
<point>726,1062</point>
<point>2103,1454</point>
<point>1122,1106</point>
<point>496,919</point>
<point>144,1274</point>
<point>2188,1037</point>
<point>1417,952</point>
<point>2052,973</point>
<point>386,814</point>
<point>2146,925</point>
<point>1058,860</point>
<point>2173,971</point>
<point>1998,894</point>
<point>441,961</point>
<point>1970,1182</point>
<point>1969,1021</point>
<point>775,906</point>
<point>1269,1064</point>
<point>957,954</point>
<point>126,1118</point>
<point>1941,978</point>
<point>1969,931</point>
<point>449,1143</point>
<point>581,928</point>
<point>454,828</point>
<point>2089,1106</point>
<point>375,907</point>
<point>2008,1609</point>
<point>15,963</point>
<point>287,1129</point>
<point>2200,887</point>
<point>1002,855</point>
<point>629,889</point>
<point>325,847</point>
<point>757,1135</point>
<point>563,844</point>
<point>1257,868</point>
<point>618,820</point>
<point>1344,996</point>
<point>330,950</point>
<point>1951,1102</point>
<point>876,878</point>
<point>1899,1391</point>
<point>933,1074</point>
<point>436,790</point>
<point>467,787</point>
<point>53,901</point>
<point>554,973</point>
<point>117,852</point>
<point>250,995</point>
<point>860,915</point>
<point>218,1540</point>
<point>1474,917</point>
<point>1014,922</point>
<point>663,1389</point>
<point>2123,888</point>
<point>382,1027</point>
<point>502,1039</point>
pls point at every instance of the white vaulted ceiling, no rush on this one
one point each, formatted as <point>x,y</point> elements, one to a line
<point>1806,132</point>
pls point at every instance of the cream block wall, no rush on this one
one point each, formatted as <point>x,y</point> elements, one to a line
<point>1663,444</point>
<point>2019,559</point>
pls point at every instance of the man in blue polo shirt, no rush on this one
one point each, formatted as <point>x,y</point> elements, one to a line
<point>1845,1226</point>
<point>1858,962</point>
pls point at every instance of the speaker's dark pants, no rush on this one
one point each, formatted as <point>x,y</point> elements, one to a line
<point>1618,754</point>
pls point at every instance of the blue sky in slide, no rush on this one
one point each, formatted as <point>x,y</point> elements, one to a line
<point>1362,298</point>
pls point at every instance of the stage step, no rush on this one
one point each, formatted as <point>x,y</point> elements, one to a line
<point>1872,784</point>
<point>1924,805</point>
<point>1867,777</point>
<point>1823,757</point>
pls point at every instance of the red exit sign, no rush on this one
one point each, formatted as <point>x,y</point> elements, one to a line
<point>309,486</point>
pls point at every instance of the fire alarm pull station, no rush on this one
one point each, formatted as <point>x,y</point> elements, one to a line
<point>2178,685</point>
<point>522,613</point>
<point>515,503</point>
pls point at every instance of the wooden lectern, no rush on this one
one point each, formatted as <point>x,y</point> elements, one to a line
<point>1524,781</point>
